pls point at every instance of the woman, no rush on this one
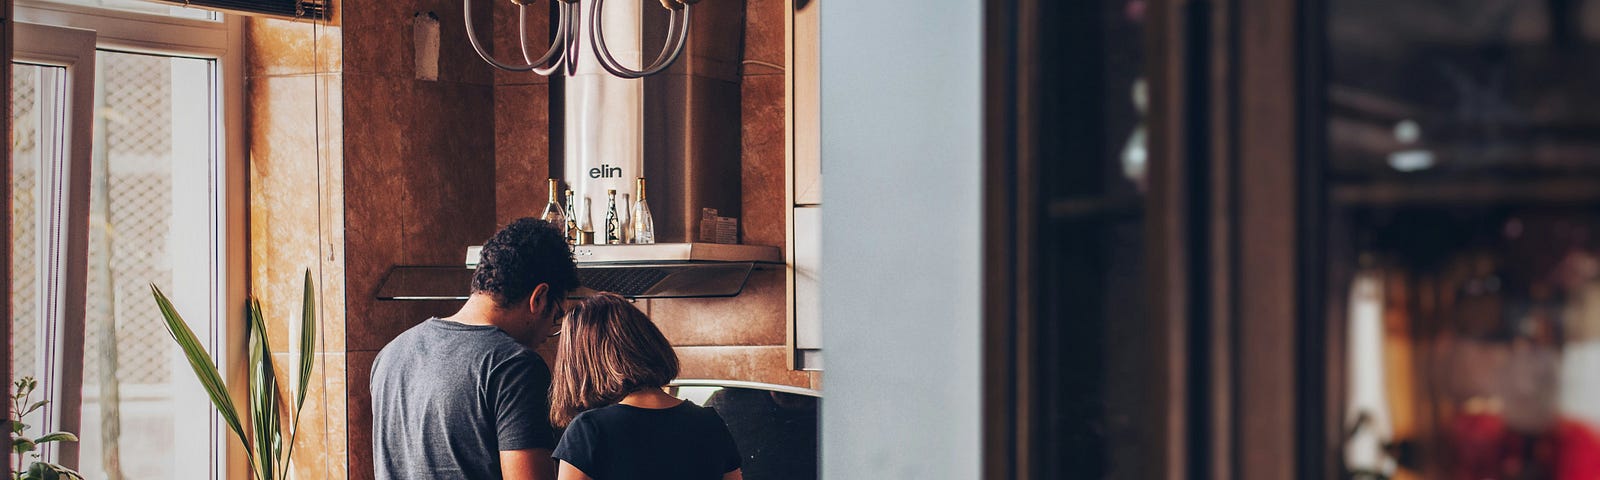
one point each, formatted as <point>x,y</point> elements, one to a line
<point>610,368</point>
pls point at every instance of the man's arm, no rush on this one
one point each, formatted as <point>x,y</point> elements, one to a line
<point>529,464</point>
<point>569,472</point>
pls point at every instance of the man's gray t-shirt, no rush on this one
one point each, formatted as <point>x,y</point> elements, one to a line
<point>448,397</point>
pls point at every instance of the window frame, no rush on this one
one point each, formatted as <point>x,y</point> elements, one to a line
<point>223,42</point>
<point>64,250</point>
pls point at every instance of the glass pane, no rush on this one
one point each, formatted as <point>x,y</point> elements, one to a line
<point>149,223</point>
<point>1465,237</point>
<point>36,114</point>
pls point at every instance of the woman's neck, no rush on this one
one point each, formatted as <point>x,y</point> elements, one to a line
<point>652,398</point>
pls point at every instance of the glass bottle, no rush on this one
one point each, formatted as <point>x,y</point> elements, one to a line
<point>585,228</point>
<point>613,225</point>
<point>552,210</point>
<point>644,227</point>
<point>623,218</point>
<point>572,220</point>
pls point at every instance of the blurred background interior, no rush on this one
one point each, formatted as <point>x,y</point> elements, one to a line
<point>1325,239</point>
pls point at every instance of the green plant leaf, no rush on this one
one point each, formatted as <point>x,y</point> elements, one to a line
<point>17,427</point>
<point>36,405</point>
<point>200,362</point>
<point>22,445</point>
<point>56,437</point>
<point>263,395</point>
<point>308,338</point>
<point>308,341</point>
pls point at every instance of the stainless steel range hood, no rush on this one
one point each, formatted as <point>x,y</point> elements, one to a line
<point>670,270</point>
<point>662,270</point>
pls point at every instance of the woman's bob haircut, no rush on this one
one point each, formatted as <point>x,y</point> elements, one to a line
<point>608,349</point>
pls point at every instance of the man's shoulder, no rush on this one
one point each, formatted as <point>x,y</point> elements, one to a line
<point>406,340</point>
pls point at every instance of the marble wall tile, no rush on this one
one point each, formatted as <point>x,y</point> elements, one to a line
<point>276,46</point>
<point>373,187</point>
<point>320,445</point>
<point>331,276</point>
<point>752,364</point>
<point>284,205</point>
<point>358,374</point>
<point>521,151</point>
<point>763,172</point>
<point>764,36</point>
<point>449,172</point>
<point>419,189</point>
<point>755,317</point>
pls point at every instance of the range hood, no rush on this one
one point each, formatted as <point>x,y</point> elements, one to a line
<point>662,270</point>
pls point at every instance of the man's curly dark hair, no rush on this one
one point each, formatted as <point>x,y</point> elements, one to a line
<point>521,256</point>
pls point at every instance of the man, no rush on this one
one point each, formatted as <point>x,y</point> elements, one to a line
<point>465,397</point>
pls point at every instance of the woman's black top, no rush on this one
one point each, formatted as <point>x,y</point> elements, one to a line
<point>621,442</point>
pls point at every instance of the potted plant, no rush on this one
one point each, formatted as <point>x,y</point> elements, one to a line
<point>24,446</point>
<point>265,449</point>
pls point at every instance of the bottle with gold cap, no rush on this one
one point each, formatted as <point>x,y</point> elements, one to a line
<point>585,225</point>
<point>644,227</point>
<point>572,220</point>
<point>553,212</point>
<point>613,224</point>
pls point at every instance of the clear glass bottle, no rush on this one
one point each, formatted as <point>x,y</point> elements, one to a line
<point>613,224</point>
<point>585,227</point>
<point>572,220</point>
<point>553,212</point>
<point>624,218</point>
<point>644,227</point>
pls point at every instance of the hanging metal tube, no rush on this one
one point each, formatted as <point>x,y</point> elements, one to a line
<point>549,56</point>
<point>573,30</point>
<point>566,46</point>
<point>557,46</point>
<point>671,49</point>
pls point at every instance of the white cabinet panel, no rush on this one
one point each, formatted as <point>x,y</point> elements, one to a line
<point>807,281</point>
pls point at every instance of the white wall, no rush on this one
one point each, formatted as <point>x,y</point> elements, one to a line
<point>901,154</point>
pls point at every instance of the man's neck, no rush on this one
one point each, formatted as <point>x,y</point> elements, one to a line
<point>480,309</point>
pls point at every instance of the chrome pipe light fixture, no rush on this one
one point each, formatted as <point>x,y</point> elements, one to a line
<point>564,49</point>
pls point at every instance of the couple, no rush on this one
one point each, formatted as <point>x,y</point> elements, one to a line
<point>465,397</point>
